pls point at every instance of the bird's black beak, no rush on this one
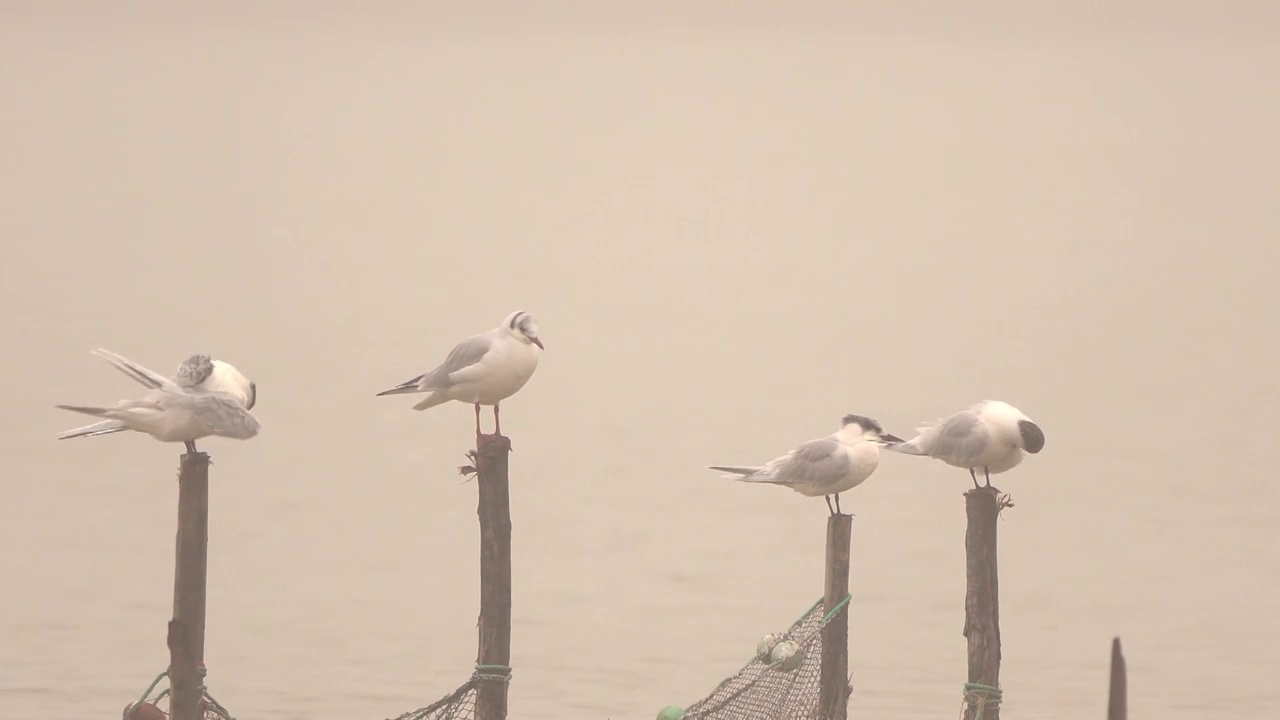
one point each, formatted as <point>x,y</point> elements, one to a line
<point>888,439</point>
<point>537,342</point>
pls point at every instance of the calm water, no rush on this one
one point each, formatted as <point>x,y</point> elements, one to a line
<point>734,228</point>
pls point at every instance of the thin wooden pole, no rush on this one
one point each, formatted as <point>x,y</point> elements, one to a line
<point>833,701</point>
<point>494,656</point>
<point>186,630</point>
<point>1118,700</point>
<point>982,603</point>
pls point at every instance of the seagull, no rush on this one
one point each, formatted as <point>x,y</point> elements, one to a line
<point>170,412</point>
<point>826,466</point>
<point>198,373</point>
<point>484,369</point>
<point>991,435</point>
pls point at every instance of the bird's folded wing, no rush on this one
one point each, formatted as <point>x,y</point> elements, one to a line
<point>817,463</point>
<point>461,362</point>
<point>960,438</point>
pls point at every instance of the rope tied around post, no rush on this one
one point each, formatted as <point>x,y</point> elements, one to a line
<point>131,707</point>
<point>979,696</point>
<point>209,703</point>
<point>835,610</point>
<point>495,673</point>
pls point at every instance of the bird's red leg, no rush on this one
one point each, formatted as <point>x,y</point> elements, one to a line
<point>478,433</point>
<point>497,424</point>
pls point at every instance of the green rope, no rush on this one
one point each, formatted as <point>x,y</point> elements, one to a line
<point>201,671</point>
<point>838,607</point>
<point>133,705</point>
<point>501,673</point>
<point>979,696</point>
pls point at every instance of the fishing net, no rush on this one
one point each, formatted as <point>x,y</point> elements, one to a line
<point>461,703</point>
<point>782,682</point>
<point>147,707</point>
<point>457,705</point>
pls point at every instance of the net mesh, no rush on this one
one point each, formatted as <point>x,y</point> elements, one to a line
<point>461,703</point>
<point>777,683</point>
<point>457,705</point>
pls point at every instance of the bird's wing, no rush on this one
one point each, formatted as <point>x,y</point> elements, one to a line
<point>465,354</point>
<point>961,438</point>
<point>231,418</point>
<point>816,463</point>
<point>140,374</point>
<point>461,362</point>
<point>194,371</point>
<point>221,413</point>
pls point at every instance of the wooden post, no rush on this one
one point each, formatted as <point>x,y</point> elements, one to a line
<point>833,701</point>
<point>1118,701</point>
<point>982,603</point>
<point>186,630</point>
<point>494,656</point>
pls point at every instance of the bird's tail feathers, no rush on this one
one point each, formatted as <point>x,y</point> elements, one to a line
<point>85,410</point>
<point>906,448</point>
<point>430,401</point>
<point>408,386</point>
<point>736,472</point>
<point>106,427</point>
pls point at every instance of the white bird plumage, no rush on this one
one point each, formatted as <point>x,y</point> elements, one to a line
<point>206,398</point>
<point>197,373</point>
<point>484,369</point>
<point>826,466</point>
<point>992,436</point>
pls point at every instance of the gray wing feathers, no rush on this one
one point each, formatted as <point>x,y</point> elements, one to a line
<point>464,355</point>
<point>222,414</point>
<point>106,427</point>
<point>816,463</point>
<point>140,374</point>
<point>467,353</point>
<point>194,371</point>
<point>85,410</point>
<point>408,386</point>
<point>960,438</point>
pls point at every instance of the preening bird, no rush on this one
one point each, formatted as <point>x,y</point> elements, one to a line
<point>991,436</point>
<point>484,369</point>
<point>172,412</point>
<point>196,373</point>
<point>827,466</point>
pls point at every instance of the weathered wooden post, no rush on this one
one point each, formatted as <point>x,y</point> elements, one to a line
<point>982,692</point>
<point>494,656</point>
<point>833,700</point>
<point>186,630</point>
<point>1118,699</point>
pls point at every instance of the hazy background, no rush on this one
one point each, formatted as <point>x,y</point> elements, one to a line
<point>735,223</point>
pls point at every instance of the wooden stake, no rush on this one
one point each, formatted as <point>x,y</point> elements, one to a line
<point>833,701</point>
<point>982,599</point>
<point>186,630</point>
<point>1118,701</point>
<point>495,576</point>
